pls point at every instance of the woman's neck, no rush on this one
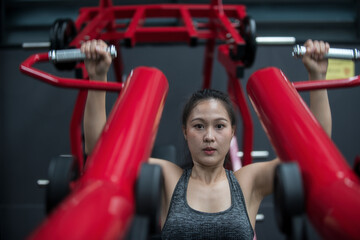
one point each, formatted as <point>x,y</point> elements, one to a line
<point>208,175</point>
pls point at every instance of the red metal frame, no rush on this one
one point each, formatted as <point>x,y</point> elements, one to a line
<point>94,22</point>
<point>27,68</point>
<point>108,184</point>
<point>237,95</point>
<point>103,23</point>
<point>332,189</point>
<point>101,204</point>
<point>107,22</point>
<point>76,120</point>
<point>321,84</point>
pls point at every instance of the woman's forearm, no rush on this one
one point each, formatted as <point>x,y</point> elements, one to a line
<point>94,118</point>
<point>320,107</point>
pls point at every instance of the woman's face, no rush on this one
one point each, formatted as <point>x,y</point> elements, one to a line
<point>208,133</point>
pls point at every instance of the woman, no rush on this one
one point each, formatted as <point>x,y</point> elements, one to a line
<point>207,201</point>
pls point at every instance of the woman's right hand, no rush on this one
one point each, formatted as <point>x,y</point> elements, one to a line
<point>97,60</point>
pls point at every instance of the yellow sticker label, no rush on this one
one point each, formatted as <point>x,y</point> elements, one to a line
<point>338,69</point>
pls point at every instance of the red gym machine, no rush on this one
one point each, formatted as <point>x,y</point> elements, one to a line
<point>102,201</point>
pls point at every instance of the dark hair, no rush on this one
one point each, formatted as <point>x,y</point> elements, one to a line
<point>196,98</point>
<point>207,94</point>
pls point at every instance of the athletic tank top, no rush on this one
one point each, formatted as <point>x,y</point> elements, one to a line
<point>184,222</point>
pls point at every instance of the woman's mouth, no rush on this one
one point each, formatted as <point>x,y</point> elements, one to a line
<point>209,150</point>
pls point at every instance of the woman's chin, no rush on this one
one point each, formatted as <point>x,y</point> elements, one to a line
<point>210,161</point>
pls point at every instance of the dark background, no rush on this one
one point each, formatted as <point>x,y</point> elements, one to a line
<point>34,117</point>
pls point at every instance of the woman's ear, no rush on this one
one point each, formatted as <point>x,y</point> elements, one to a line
<point>233,131</point>
<point>184,132</point>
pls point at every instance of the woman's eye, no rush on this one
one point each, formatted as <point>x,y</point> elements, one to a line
<point>199,126</point>
<point>220,126</point>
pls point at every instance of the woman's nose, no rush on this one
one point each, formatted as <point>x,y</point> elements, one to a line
<point>209,136</point>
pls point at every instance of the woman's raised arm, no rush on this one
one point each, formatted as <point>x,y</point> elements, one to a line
<point>97,64</point>
<point>316,66</point>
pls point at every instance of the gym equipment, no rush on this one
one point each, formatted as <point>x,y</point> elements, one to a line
<point>288,195</point>
<point>148,198</point>
<point>222,24</point>
<point>228,25</point>
<point>62,171</point>
<point>248,31</point>
<point>260,41</point>
<point>139,229</point>
<point>331,187</point>
<point>62,32</point>
<point>338,53</point>
<point>109,179</point>
<point>73,55</point>
<point>107,183</point>
<point>357,165</point>
<point>167,152</point>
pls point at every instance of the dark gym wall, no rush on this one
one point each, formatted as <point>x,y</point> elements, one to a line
<point>34,117</point>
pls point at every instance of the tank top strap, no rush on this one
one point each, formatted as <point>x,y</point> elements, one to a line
<point>177,199</point>
<point>237,193</point>
<point>182,184</point>
<point>235,187</point>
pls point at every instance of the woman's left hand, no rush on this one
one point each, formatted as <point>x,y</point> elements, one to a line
<point>314,60</point>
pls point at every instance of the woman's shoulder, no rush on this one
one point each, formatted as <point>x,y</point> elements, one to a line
<point>257,176</point>
<point>256,169</point>
<point>171,171</point>
<point>246,172</point>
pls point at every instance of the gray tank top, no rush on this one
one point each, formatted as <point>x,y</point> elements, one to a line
<point>183,222</point>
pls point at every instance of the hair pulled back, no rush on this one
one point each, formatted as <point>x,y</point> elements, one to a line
<point>208,94</point>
